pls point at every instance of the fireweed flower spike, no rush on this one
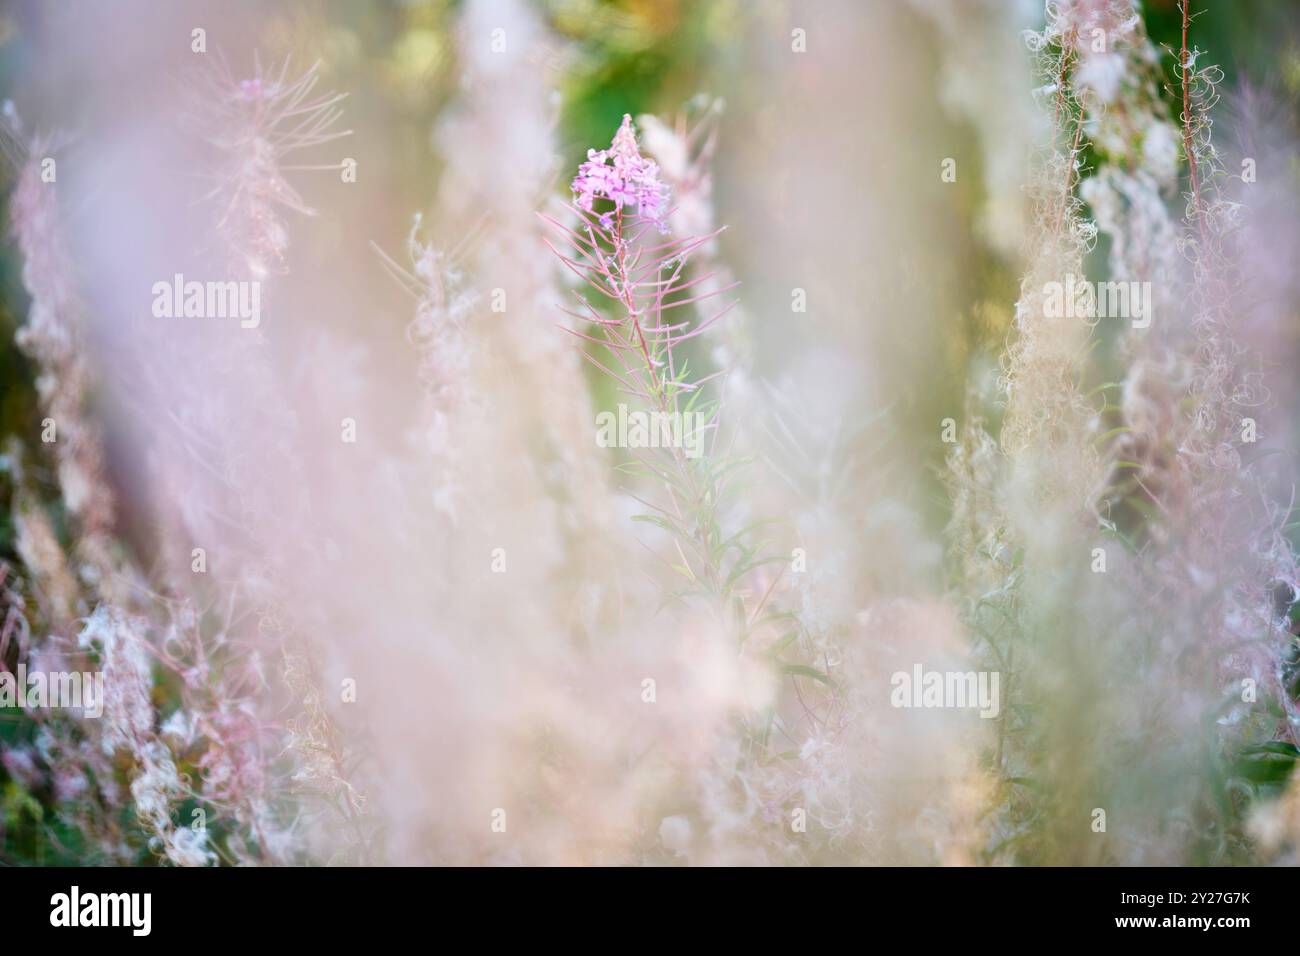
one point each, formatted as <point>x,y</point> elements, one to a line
<point>620,203</point>
<point>657,293</point>
<point>610,252</point>
<point>624,177</point>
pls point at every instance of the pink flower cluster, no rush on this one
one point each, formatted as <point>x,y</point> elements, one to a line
<point>631,181</point>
